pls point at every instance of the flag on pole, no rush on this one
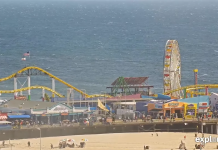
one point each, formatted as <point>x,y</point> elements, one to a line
<point>26,54</point>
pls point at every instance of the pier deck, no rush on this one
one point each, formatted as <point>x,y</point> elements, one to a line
<point>118,127</point>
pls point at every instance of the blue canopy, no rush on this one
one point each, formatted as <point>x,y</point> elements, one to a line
<point>93,108</point>
<point>18,116</point>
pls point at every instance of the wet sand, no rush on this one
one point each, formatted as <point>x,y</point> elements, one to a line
<point>117,141</point>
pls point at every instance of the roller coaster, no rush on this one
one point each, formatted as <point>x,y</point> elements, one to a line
<point>31,87</point>
<point>171,78</point>
<point>189,90</point>
<point>32,70</point>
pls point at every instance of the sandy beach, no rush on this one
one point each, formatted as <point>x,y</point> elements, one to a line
<point>117,141</point>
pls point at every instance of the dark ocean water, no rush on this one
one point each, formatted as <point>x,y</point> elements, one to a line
<point>91,43</point>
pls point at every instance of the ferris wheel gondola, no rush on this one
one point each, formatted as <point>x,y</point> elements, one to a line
<point>172,68</point>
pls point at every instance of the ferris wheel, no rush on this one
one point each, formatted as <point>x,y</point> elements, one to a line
<point>172,68</point>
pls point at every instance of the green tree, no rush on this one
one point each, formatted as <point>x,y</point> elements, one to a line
<point>47,98</point>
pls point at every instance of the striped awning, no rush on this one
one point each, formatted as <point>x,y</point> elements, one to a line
<point>3,117</point>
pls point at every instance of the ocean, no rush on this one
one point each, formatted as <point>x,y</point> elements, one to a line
<point>90,43</point>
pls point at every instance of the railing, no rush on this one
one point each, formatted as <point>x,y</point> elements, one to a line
<point>121,122</point>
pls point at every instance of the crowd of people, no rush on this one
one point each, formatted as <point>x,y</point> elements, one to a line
<point>104,119</point>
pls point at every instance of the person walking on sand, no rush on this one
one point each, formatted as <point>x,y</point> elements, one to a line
<point>28,143</point>
<point>52,146</point>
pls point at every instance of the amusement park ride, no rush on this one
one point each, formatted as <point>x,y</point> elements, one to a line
<point>172,68</point>
<point>171,78</point>
<point>31,71</point>
<point>172,75</point>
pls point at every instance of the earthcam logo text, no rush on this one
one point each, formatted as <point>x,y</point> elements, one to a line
<point>205,140</point>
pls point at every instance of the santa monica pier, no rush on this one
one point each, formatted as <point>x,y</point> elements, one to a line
<point>128,100</point>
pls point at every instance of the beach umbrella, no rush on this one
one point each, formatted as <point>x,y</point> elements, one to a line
<point>85,140</point>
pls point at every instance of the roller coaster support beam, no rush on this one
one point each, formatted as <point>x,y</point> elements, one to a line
<point>206,90</point>
<point>185,94</point>
<point>72,96</point>
<point>196,78</point>
<point>53,86</point>
<point>69,94</point>
<point>15,86</point>
<point>43,95</point>
<point>29,94</point>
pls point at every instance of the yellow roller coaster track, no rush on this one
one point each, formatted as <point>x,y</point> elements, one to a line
<point>52,76</point>
<point>32,87</point>
<point>193,87</point>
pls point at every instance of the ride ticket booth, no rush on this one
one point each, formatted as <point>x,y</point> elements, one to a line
<point>190,110</point>
<point>174,107</point>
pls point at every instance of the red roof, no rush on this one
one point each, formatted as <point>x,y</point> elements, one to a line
<point>132,80</point>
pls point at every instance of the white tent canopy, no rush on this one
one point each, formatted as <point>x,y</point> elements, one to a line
<point>125,103</point>
<point>2,122</point>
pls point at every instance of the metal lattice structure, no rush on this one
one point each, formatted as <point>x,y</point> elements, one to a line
<point>120,83</point>
<point>30,72</point>
<point>191,90</point>
<point>129,86</point>
<point>172,68</point>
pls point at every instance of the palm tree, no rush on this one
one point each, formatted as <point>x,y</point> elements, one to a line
<point>47,98</point>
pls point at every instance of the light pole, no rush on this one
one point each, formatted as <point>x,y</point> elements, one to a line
<point>40,137</point>
<point>9,141</point>
<point>92,101</point>
<point>83,90</point>
<point>80,100</point>
<point>10,144</point>
<point>125,105</point>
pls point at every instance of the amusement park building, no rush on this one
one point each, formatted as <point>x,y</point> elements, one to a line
<point>214,101</point>
<point>38,111</point>
<point>196,100</point>
<point>201,101</point>
<point>129,86</point>
<point>24,106</point>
